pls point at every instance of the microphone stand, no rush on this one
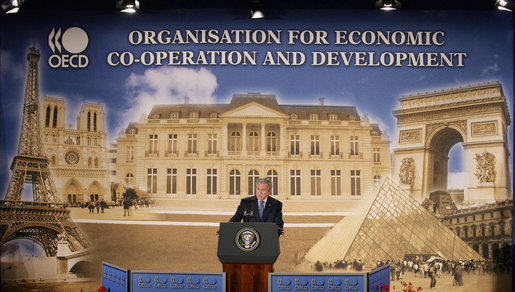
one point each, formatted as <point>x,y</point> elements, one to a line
<point>247,214</point>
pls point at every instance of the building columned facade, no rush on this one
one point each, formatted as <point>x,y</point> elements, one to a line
<point>77,156</point>
<point>486,228</point>
<point>218,150</point>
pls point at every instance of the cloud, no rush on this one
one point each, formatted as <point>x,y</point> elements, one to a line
<point>383,126</point>
<point>12,69</point>
<point>167,86</point>
<point>491,69</point>
<point>456,180</point>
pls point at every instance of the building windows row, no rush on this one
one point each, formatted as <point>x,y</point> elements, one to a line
<point>192,143</point>
<point>482,230</point>
<point>316,188</point>
<point>212,178</point>
<point>91,123</point>
<point>152,180</point>
<point>92,141</point>
<point>235,181</point>
<point>171,180</point>
<point>496,250</point>
<point>212,144</point>
<point>335,145</point>
<point>252,177</point>
<point>253,142</point>
<point>295,182</point>
<point>152,143</point>
<point>253,145</point>
<point>295,144</point>
<point>191,181</point>
<point>464,218</point>
<point>129,180</point>
<point>129,154</point>
<point>90,119</point>
<point>72,198</point>
<point>172,147</point>
<point>51,120</point>
<point>93,162</point>
<point>355,182</point>
<point>315,145</point>
<point>336,182</point>
<point>376,153</point>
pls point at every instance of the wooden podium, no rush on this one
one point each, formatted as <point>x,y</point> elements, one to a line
<point>247,252</point>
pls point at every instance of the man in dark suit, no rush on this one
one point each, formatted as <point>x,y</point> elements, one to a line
<point>261,207</point>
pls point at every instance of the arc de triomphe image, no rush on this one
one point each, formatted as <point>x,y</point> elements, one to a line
<point>430,124</point>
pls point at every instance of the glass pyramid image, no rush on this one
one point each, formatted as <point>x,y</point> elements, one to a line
<point>389,226</point>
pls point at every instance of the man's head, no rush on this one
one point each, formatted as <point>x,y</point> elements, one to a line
<point>263,188</point>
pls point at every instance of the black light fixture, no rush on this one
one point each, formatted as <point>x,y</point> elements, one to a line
<point>504,5</point>
<point>388,5</point>
<point>127,6</point>
<point>11,6</point>
<point>256,9</point>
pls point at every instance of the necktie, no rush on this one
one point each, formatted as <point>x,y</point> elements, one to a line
<point>261,208</point>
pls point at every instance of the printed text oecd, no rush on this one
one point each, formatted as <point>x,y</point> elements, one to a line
<point>276,37</point>
<point>288,58</point>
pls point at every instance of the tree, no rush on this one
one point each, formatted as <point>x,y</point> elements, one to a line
<point>130,194</point>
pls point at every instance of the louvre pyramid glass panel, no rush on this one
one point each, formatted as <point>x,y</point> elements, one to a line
<point>389,226</point>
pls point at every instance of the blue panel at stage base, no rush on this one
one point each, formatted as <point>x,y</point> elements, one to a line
<point>115,279</point>
<point>356,282</point>
<point>147,281</point>
<point>378,278</point>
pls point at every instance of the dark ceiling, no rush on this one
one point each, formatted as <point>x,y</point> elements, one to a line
<point>152,5</point>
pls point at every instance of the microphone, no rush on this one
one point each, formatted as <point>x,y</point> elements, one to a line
<point>247,214</point>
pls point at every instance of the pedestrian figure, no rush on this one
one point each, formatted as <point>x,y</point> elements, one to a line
<point>103,205</point>
<point>432,275</point>
<point>91,207</point>
<point>126,207</point>
<point>392,272</point>
<point>458,275</point>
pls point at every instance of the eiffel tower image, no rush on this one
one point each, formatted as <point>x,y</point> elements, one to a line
<point>45,220</point>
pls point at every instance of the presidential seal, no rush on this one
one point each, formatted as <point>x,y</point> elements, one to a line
<point>247,239</point>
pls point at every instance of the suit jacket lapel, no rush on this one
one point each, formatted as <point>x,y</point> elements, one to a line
<point>268,208</point>
<point>255,208</point>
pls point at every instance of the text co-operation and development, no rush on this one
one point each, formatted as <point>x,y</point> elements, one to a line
<point>290,48</point>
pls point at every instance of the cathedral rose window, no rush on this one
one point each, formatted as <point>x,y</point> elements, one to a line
<point>71,157</point>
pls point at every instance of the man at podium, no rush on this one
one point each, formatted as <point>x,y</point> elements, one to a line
<point>261,207</point>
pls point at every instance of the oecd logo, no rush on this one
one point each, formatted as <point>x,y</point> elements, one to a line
<point>67,48</point>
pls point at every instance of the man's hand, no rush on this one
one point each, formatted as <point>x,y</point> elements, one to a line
<point>281,231</point>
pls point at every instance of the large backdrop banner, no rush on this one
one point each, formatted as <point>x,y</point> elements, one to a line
<point>128,138</point>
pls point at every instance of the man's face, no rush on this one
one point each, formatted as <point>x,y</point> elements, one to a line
<point>262,191</point>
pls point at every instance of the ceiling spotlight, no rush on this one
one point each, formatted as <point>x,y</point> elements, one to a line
<point>256,9</point>
<point>388,5</point>
<point>504,5</point>
<point>11,6</point>
<point>127,6</point>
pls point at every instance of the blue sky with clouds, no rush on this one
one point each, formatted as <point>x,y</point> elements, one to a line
<point>128,92</point>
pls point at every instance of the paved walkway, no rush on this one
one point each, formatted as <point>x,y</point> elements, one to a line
<point>211,212</point>
<point>473,282</point>
<point>206,214</point>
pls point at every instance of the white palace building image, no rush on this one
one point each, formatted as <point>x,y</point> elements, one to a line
<point>218,150</point>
